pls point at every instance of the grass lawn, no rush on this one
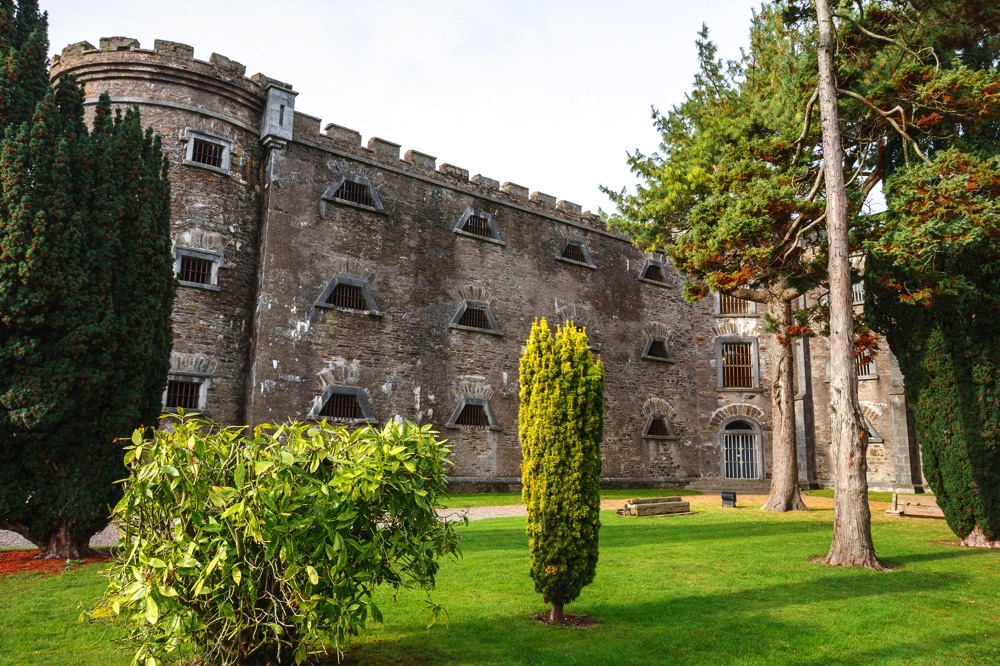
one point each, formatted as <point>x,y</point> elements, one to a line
<point>466,501</point>
<point>722,586</point>
<point>873,495</point>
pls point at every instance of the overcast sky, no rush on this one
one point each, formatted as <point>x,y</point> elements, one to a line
<point>549,95</point>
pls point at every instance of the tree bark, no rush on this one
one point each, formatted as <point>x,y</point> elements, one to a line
<point>556,617</point>
<point>976,539</point>
<point>852,538</point>
<point>784,495</point>
<point>64,545</point>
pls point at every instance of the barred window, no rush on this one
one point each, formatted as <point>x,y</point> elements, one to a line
<point>348,293</point>
<point>866,365</point>
<point>730,305</point>
<point>342,404</point>
<point>207,152</point>
<point>657,349</point>
<point>473,414</point>
<point>657,427</point>
<point>737,361</point>
<point>342,407</point>
<point>654,273</point>
<point>858,293</point>
<point>740,451</point>
<point>195,269</point>
<point>575,250</point>
<point>183,394</point>
<point>475,316</point>
<point>348,296</point>
<point>357,193</point>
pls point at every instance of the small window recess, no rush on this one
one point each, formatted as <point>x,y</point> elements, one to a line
<point>730,306</point>
<point>345,405</point>
<point>873,435</point>
<point>475,316</point>
<point>348,294</point>
<point>187,391</point>
<point>207,151</point>
<point>866,366</point>
<point>356,191</point>
<point>574,250</point>
<point>473,414</point>
<point>858,293</point>
<point>654,272</point>
<point>658,349</point>
<point>478,224</point>
<point>197,268</point>
<point>658,427</point>
<point>737,364</point>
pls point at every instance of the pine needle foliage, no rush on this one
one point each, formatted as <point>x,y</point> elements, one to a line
<point>561,425</point>
<point>86,290</point>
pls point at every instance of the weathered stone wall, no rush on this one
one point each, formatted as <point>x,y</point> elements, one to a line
<point>272,352</point>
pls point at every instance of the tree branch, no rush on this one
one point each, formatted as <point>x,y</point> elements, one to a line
<point>805,128</point>
<point>889,40</point>
<point>888,117</point>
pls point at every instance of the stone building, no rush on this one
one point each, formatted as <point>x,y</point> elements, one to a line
<point>323,277</point>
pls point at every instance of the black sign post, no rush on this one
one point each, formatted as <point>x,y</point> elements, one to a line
<point>729,498</point>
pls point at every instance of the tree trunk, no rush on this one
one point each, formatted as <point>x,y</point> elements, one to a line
<point>556,617</point>
<point>784,495</point>
<point>64,545</point>
<point>976,539</point>
<point>852,538</point>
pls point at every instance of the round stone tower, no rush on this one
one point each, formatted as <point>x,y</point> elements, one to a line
<point>216,125</point>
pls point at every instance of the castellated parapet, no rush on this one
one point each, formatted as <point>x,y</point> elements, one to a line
<point>322,275</point>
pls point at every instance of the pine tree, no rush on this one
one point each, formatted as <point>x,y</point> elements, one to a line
<point>86,289</point>
<point>561,425</point>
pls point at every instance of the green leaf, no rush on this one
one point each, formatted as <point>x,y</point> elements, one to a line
<point>152,610</point>
<point>313,575</point>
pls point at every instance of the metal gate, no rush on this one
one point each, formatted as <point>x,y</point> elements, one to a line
<point>740,451</point>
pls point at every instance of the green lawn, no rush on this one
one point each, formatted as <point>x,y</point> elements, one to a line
<point>718,587</point>
<point>873,496</point>
<point>465,501</point>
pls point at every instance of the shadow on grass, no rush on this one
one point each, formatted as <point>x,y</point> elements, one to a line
<point>766,625</point>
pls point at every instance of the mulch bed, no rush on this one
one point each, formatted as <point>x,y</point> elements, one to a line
<point>569,619</point>
<point>22,561</point>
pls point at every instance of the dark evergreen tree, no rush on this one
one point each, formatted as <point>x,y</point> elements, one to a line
<point>86,289</point>
<point>24,73</point>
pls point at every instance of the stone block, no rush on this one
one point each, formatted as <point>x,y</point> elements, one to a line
<point>119,43</point>
<point>175,49</point>
<point>546,200</point>
<point>383,147</point>
<point>454,171</point>
<point>343,135</point>
<point>488,183</point>
<point>227,65</point>
<point>422,160</point>
<point>77,49</point>
<point>515,190</point>
<point>570,207</point>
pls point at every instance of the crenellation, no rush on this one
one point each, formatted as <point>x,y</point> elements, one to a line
<point>421,160</point>
<point>454,172</point>
<point>343,135</point>
<point>173,49</point>
<point>226,64</point>
<point>118,43</point>
<point>515,190</point>
<point>425,233</point>
<point>488,183</point>
<point>543,199</point>
<point>383,147</point>
<point>569,207</point>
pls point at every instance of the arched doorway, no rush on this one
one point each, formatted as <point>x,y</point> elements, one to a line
<point>739,442</point>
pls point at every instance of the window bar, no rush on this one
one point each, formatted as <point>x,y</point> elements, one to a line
<point>348,296</point>
<point>858,293</point>
<point>479,226</point>
<point>658,349</point>
<point>207,152</point>
<point>475,318</point>
<point>183,394</point>
<point>357,193</point>
<point>729,304</point>
<point>658,428</point>
<point>654,273</point>
<point>196,269</point>
<point>473,416</point>
<point>342,407</point>
<point>574,252</point>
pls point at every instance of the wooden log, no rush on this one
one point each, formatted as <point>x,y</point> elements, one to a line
<point>654,500</point>
<point>919,506</point>
<point>661,509</point>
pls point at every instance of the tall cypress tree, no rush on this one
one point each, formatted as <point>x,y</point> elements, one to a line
<point>86,288</point>
<point>561,425</point>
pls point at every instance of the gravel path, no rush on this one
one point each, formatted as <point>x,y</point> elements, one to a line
<point>109,537</point>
